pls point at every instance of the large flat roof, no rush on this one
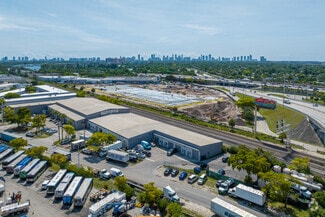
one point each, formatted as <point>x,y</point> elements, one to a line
<point>88,105</point>
<point>68,113</point>
<point>129,125</point>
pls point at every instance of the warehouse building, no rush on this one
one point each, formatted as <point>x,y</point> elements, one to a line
<point>79,110</point>
<point>131,129</point>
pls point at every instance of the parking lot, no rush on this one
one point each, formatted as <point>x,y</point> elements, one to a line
<point>150,169</point>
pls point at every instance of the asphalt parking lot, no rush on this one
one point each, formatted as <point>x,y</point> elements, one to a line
<point>148,170</point>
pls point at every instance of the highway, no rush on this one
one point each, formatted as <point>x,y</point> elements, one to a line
<point>315,112</point>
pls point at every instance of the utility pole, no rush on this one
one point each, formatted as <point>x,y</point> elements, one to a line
<point>255,120</point>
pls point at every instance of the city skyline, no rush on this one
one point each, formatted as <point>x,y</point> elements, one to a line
<point>279,30</point>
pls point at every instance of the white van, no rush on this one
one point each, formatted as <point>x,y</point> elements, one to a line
<point>44,184</point>
<point>203,178</point>
<point>192,178</point>
<point>115,172</point>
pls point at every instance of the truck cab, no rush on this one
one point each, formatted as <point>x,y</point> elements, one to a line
<point>116,172</point>
<point>170,194</point>
<point>104,174</point>
<point>301,190</point>
<point>224,187</point>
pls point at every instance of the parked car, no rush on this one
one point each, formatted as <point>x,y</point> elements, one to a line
<point>225,159</point>
<point>174,172</point>
<point>167,171</point>
<point>192,178</point>
<point>197,170</point>
<point>30,134</point>
<point>221,172</point>
<point>183,175</point>
<point>171,151</point>
<point>86,151</point>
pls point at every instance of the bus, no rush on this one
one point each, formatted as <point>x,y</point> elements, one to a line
<point>55,181</point>
<point>13,164</point>
<point>22,165</point>
<point>3,148</point>
<point>10,159</point>
<point>33,175</point>
<point>81,196</point>
<point>64,152</point>
<point>29,167</point>
<point>70,192</point>
<point>59,191</point>
<point>6,153</point>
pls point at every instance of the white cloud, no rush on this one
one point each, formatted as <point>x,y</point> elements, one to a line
<point>4,24</point>
<point>202,29</point>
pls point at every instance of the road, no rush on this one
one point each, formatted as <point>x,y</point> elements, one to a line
<point>317,113</point>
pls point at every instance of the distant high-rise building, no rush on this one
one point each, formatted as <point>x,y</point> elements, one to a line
<point>139,57</point>
<point>262,59</point>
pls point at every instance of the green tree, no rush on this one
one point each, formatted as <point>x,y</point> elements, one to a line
<point>245,102</point>
<point>36,151</point>
<point>232,124</point>
<point>300,164</point>
<point>320,198</point>
<point>93,90</point>
<point>39,121</point>
<point>24,116</point>
<point>162,204</point>
<point>10,115</point>
<point>81,94</point>
<point>282,137</point>
<point>18,143</point>
<point>11,95</point>
<point>59,159</point>
<point>249,160</point>
<point>69,129</point>
<point>174,209</point>
<point>278,186</point>
<point>151,194</point>
<point>316,211</point>
<point>30,89</point>
<point>100,138</point>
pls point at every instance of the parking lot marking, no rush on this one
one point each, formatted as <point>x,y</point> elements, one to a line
<point>150,160</point>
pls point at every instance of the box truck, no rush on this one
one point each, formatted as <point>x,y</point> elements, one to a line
<point>117,156</point>
<point>248,193</point>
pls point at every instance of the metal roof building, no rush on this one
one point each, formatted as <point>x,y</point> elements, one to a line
<point>131,129</point>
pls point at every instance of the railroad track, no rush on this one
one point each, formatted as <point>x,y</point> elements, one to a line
<point>317,164</point>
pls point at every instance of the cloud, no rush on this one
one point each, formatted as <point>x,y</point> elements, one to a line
<point>202,29</point>
<point>4,24</point>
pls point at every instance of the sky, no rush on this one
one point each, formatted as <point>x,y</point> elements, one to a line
<point>277,29</point>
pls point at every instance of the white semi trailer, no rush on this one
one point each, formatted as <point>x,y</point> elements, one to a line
<point>225,209</point>
<point>248,193</point>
